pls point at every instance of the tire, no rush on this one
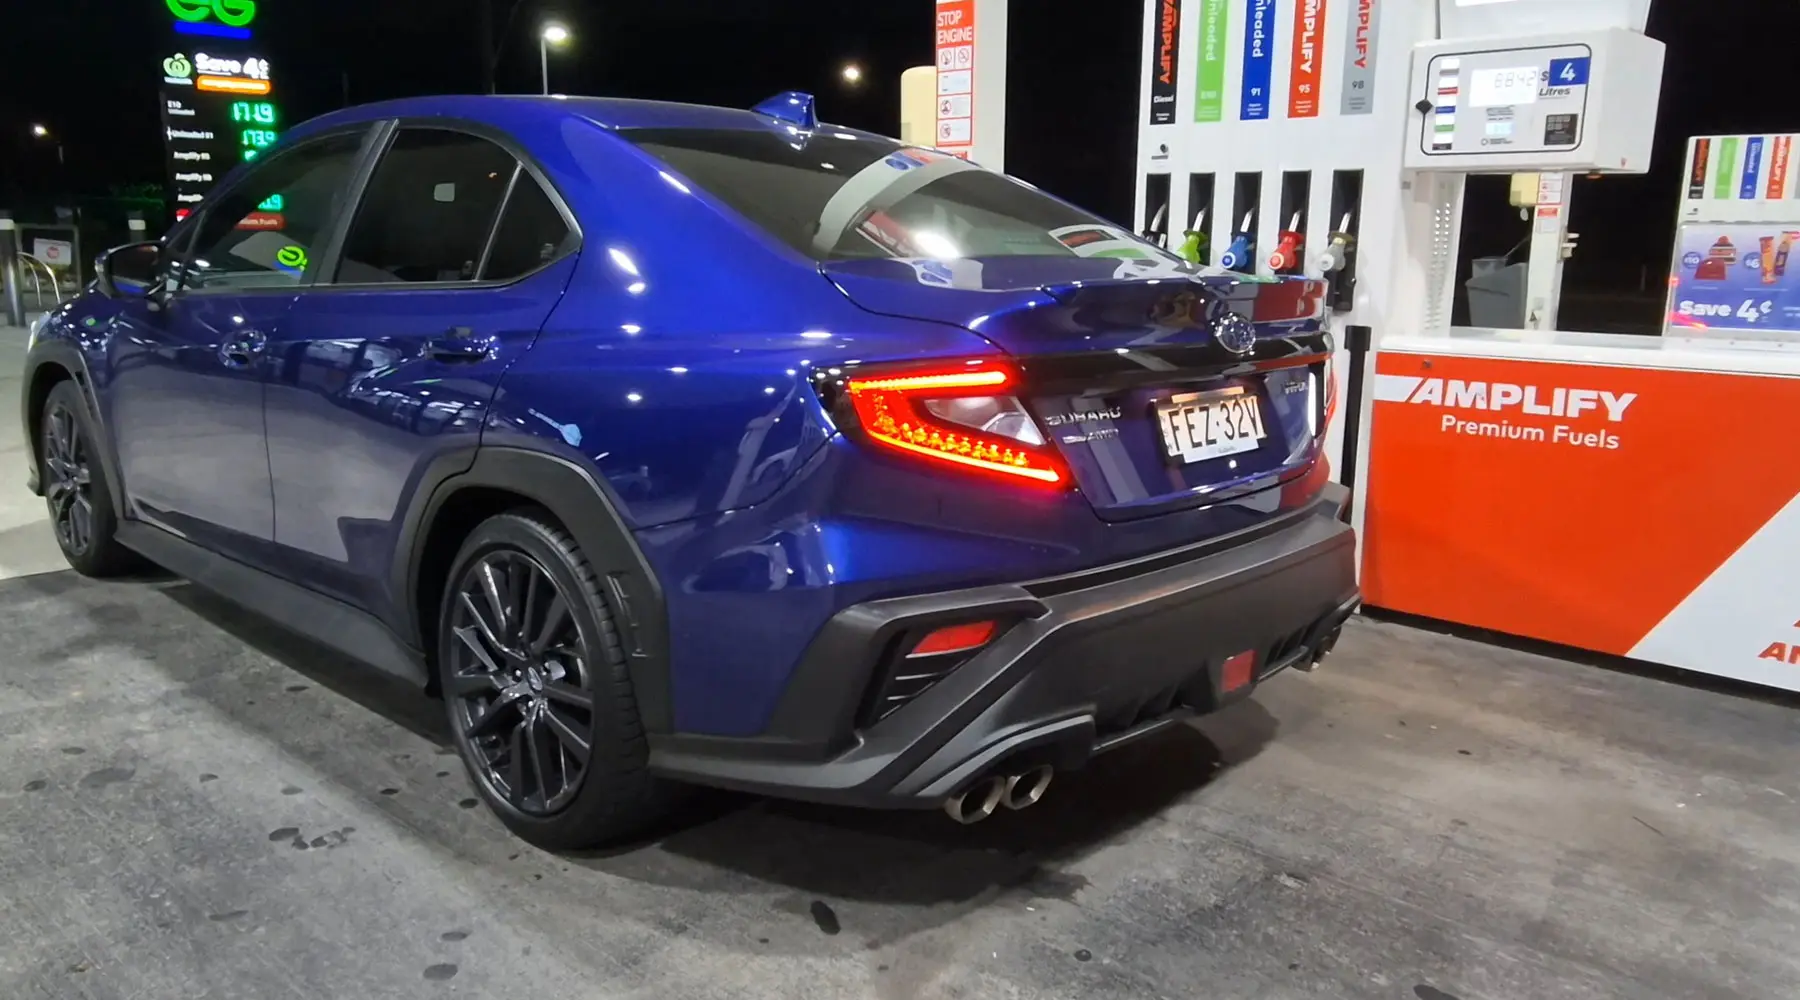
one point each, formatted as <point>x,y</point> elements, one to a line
<point>73,473</point>
<point>514,682</point>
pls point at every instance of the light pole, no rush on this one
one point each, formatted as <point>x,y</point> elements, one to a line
<point>552,34</point>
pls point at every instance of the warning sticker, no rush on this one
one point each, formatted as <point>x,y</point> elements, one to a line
<point>956,75</point>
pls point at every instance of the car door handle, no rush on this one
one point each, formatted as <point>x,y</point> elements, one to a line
<point>459,343</point>
<point>242,348</point>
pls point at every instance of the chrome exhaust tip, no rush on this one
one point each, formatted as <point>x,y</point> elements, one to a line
<point>1323,649</point>
<point>977,802</point>
<point>1026,789</point>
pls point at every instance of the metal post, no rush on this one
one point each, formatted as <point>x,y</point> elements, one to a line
<point>1358,342</point>
<point>9,269</point>
<point>544,60</point>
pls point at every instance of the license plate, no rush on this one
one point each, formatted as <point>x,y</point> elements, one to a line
<point>1205,425</point>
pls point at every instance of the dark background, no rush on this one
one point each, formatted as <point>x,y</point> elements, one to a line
<point>88,70</point>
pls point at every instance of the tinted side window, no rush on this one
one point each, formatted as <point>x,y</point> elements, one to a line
<point>267,229</point>
<point>531,234</point>
<point>428,209</point>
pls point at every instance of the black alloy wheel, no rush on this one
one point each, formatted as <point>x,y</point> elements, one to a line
<point>68,480</point>
<point>518,674</point>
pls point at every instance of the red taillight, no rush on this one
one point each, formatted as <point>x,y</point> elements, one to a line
<point>956,639</point>
<point>960,416</point>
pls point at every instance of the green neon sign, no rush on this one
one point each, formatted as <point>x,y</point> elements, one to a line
<point>178,66</point>
<point>272,203</point>
<point>236,13</point>
<point>259,138</point>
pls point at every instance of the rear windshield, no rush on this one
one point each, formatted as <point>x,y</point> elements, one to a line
<point>838,196</point>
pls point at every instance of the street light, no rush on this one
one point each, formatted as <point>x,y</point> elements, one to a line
<point>852,74</point>
<point>553,34</point>
<point>40,131</point>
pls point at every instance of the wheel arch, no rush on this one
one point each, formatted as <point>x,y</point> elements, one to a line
<point>49,363</point>
<point>501,478</point>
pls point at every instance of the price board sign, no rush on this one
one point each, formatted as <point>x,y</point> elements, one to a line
<point>217,92</point>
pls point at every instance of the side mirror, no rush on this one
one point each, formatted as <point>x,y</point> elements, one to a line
<point>133,271</point>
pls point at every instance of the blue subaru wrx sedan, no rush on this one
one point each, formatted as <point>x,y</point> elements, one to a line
<point>673,444</point>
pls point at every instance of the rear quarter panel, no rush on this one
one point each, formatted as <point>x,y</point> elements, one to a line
<point>677,364</point>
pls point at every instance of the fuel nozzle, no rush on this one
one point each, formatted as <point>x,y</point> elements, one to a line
<point>1242,251</point>
<point>1289,248</point>
<point>1196,248</point>
<point>1337,252</point>
<point>1158,232</point>
<point>1337,262</point>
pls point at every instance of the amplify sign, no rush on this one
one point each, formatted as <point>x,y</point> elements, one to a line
<point>1307,72</point>
<point>215,91</point>
<point>1644,512</point>
<point>1495,404</point>
<point>1165,69</point>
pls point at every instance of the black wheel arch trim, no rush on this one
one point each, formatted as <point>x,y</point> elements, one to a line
<point>581,504</point>
<point>65,355</point>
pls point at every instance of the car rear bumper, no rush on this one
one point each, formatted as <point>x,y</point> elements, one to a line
<point>1089,662</point>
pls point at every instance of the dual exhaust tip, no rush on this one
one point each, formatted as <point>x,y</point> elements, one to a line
<point>1322,650</point>
<point>1014,791</point>
<point>1017,791</point>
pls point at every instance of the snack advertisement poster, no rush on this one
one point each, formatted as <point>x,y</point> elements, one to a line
<point>1739,280</point>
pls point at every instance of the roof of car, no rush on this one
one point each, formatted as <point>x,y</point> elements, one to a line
<point>607,112</point>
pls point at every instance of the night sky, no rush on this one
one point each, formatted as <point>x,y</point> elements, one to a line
<point>89,74</point>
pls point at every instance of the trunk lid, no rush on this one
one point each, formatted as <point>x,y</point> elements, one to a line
<point>1136,370</point>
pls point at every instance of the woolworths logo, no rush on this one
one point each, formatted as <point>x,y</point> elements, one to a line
<point>236,13</point>
<point>178,66</point>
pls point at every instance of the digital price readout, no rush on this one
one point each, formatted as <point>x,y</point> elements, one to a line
<point>218,106</point>
<point>1491,88</point>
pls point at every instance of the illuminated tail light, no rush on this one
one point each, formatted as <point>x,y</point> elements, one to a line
<point>958,416</point>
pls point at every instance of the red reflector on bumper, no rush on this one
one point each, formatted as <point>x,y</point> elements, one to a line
<point>1239,671</point>
<point>955,639</point>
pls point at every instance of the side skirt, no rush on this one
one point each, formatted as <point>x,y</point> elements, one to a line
<point>357,634</point>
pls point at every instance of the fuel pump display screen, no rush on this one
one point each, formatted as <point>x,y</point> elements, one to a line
<point>1493,87</point>
<point>1523,101</point>
<point>1575,100</point>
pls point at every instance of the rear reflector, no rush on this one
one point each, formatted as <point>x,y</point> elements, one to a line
<point>1239,671</point>
<point>956,639</point>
